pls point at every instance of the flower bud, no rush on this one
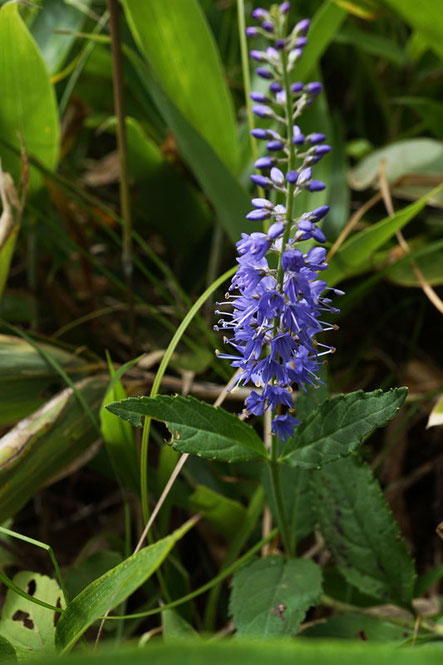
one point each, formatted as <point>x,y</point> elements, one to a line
<point>274,146</point>
<point>251,32</point>
<point>276,230</point>
<point>314,88</point>
<point>261,181</point>
<point>257,55</point>
<point>316,186</point>
<point>264,163</point>
<point>319,213</point>
<point>315,138</point>
<point>275,87</point>
<point>302,27</point>
<point>285,7</point>
<point>258,215</point>
<point>259,133</point>
<point>292,177</point>
<point>263,73</point>
<point>262,111</point>
<point>297,87</point>
<point>263,203</point>
<point>258,97</point>
<point>277,177</point>
<point>304,176</point>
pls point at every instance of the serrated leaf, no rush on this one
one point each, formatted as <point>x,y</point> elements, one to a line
<point>271,596</point>
<point>175,627</point>
<point>360,531</point>
<point>339,426</point>
<point>29,627</point>
<point>196,427</point>
<point>109,590</point>
<point>359,627</point>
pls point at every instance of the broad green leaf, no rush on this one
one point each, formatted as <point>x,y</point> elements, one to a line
<point>258,652</point>
<point>325,24</point>
<point>297,501</point>
<point>430,263</point>
<point>424,16</point>
<point>422,156</point>
<point>175,627</point>
<point>45,445</point>
<point>214,176</point>
<point>427,580</point>
<point>359,627</point>
<point>83,573</point>
<point>53,16</point>
<point>112,588</point>
<point>360,531</point>
<point>271,596</point>
<point>29,627</point>
<point>196,427</point>
<point>29,108</point>
<point>7,652</point>
<point>339,426</point>
<point>353,257</point>
<point>371,42</point>
<point>178,44</point>
<point>226,516</point>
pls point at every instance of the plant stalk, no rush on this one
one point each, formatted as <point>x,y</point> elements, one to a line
<point>125,198</point>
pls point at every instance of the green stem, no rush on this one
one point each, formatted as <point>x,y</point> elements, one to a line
<point>125,199</point>
<point>158,379</point>
<point>274,469</point>
<point>206,587</point>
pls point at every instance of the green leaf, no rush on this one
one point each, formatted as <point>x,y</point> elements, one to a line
<point>372,43</point>
<point>271,596</point>
<point>297,501</point>
<point>29,627</point>
<point>354,256</point>
<point>339,195</point>
<point>427,580</point>
<point>41,447</point>
<point>214,176</point>
<point>112,588</point>
<point>178,44</point>
<point>29,108</point>
<point>175,627</point>
<point>430,110</point>
<point>339,426</point>
<point>361,532</point>
<point>7,652</point>
<point>57,15</point>
<point>429,260</point>
<point>325,23</point>
<point>196,427</point>
<point>258,652</point>
<point>359,627</point>
<point>226,516</point>
<point>425,17</point>
<point>83,573</point>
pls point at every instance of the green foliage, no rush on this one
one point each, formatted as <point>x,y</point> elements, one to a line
<point>30,628</point>
<point>29,109</point>
<point>360,531</point>
<point>359,627</point>
<point>271,596</point>
<point>178,45</point>
<point>225,515</point>
<point>196,427</point>
<point>339,426</point>
<point>109,590</point>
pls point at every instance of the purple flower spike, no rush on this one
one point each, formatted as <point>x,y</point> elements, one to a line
<point>264,163</point>
<point>264,203</point>
<point>268,26</point>
<point>277,177</point>
<point>274,146</point>
<point>259,133</point>
<point>297,87</point>
<point>316,186</point>
<point>301,42</point>
<point>321,150</point>
<point>261,181</point>
<point>251,32</point>
<point>302,27</point>
<point>319,213</point>
<point>297,136</point>
<point>285,7</point>
<point>258,97</point>
<point>257,55</point>
<point>259,13</point>
<point>314,88</point>
<point>263,73</point>
<point>262,111</point>
<point>276,230</point>
<point>258,215</point>
<point>274,319</point>
<point>315,138</point>
<point>305,175</point>
<point>275,87</point>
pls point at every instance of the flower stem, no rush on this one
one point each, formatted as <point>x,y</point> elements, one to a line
<point>274,469</point>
